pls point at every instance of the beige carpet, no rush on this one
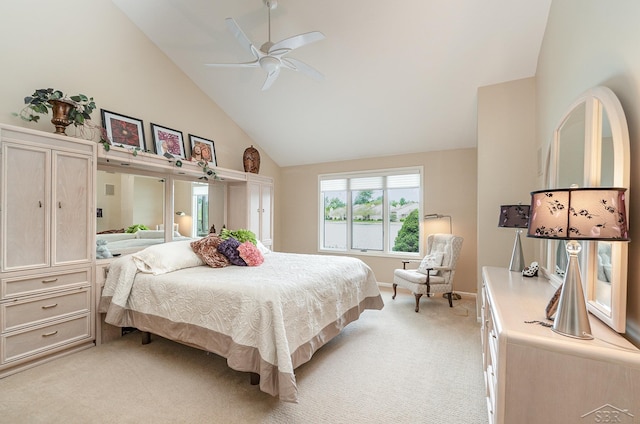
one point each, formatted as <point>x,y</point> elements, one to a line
<point>391,366</point>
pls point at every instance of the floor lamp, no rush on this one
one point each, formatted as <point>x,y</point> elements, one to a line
<point>515,216</point>
<point>455,296</point>
<point>439,216</point>
<point>575,214</point>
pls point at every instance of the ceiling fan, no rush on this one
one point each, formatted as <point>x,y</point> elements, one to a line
<point>271,56</point>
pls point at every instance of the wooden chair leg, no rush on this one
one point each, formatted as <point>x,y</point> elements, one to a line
<point>450,297</point>
<point>394,291</point>
<point>418,296</point>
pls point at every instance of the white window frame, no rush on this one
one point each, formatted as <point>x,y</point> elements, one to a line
<point>386,252</point>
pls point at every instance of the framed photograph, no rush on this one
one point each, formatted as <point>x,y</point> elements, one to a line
<point>167,140</point>
<point>123,130</point>
<point>202,150</point>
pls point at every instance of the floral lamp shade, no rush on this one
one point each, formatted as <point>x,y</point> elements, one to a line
<point>596,213</point>
<point>514,216</point>
<point>575,214</point>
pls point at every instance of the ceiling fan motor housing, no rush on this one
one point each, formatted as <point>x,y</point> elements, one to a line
<point>266,46</point>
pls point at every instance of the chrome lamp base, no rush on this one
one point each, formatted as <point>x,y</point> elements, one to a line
<point>572,319</point>
<point>517,258</point>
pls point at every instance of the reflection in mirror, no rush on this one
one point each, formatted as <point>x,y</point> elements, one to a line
<point>607,164</point>
<point>127,199</point>
<point>182,205</point>
<point>562,258</point>
<point>591,149</point>
<point>202,205</point>
<point>603,281</point>
<point>569,170</point>
<point>571,147</point>
<point>130,211</point>
<point>602,295</point>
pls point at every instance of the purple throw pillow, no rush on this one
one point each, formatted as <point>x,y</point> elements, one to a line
<point>229,248</point>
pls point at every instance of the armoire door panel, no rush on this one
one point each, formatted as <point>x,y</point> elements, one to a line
<point>25,212</point>
<point>267,194</point>
<point>254,208</point>
<point>70,196</point>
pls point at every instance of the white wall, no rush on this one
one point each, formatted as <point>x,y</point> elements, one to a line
<point>507,166</point>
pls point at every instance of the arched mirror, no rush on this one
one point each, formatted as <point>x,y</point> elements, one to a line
<point>590,148</point>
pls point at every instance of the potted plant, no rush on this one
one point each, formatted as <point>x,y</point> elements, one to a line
<point>66,109</point>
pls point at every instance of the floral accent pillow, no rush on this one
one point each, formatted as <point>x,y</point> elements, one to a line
<point>250,253</point>
<point>207,249</point>
<point>229,248</point>
<point>432,260</point>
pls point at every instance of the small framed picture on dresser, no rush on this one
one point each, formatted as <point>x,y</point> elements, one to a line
<point>123,130</point>
<point>167,140</point>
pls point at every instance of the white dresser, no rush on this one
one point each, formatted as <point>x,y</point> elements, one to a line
<point>47,233</point>
<point>534,375</point>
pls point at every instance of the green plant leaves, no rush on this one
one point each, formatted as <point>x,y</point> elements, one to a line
<point>38,103</point>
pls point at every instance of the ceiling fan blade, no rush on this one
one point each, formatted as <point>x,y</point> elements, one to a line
<point>297,41</point>
<point>271,77</point>
<point>235,29</point>
<point>296,65</point>
<point>253,64</point>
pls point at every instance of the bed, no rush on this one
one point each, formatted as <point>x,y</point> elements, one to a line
<point>267,319</point>
<point>127,243</point>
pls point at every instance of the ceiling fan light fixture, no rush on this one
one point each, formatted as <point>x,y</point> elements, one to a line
<point>269,64</point>
<point>271,56</point>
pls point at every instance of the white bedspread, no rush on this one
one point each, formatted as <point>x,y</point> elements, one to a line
<point>277,308</point>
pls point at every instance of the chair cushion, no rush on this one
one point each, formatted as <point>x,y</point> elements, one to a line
<point>415,277</point>
<point>432,260</point>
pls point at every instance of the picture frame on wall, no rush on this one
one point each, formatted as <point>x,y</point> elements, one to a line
<point>203,149</point>
<point>167,140</point>
<point>122,130</point>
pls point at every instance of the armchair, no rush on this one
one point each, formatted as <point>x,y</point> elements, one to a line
<point>436,270</point>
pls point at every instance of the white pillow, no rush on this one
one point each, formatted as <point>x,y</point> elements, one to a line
<point>430,261</point>
<point>262,248</point>
<point>166,257</point>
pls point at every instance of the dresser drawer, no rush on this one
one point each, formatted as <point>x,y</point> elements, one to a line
<point>32,341</point>
<point>35,284</point>
<point>36,310</point>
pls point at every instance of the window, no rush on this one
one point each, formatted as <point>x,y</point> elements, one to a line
<point>375,211</point>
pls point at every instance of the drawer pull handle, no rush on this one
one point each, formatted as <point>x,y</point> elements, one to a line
<point>39,203</point>
<point>53,305</point>
<point>53,333</point>
<point>52,280</point>
<point>59,205</point>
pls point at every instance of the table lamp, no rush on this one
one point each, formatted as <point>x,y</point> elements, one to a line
<point>574,214</point>
<point>515,216</point>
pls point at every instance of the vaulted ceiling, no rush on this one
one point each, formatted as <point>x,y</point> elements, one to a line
<point>400,77</point>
